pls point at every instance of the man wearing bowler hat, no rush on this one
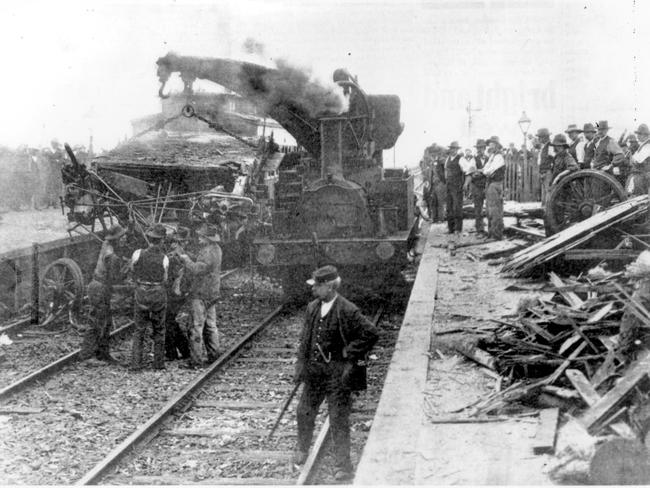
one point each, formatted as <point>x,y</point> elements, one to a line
<point>205,273</point>
<point>150,269</point>
<point>639,179</point>
<point>608,155</point>
<point>563,160</point>
<point>454,178</point>
<point>334,342</point>
<point>110,270</point>
<point>589,132</point>
<point>545,161</point>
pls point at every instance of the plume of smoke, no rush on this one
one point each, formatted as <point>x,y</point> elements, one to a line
<point>292,86</point>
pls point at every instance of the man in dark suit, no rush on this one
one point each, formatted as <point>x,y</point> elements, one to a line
<point>334,342</point>
<point>454,178</point>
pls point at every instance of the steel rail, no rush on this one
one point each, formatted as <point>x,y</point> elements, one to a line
<point>308,469</point>
<point>150,428</point>
<point>52,368</point>
<point>60,363</point>
<point>15,326</point>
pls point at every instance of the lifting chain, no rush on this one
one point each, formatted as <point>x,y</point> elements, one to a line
<point>189,111</point>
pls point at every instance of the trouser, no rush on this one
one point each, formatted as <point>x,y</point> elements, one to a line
<point>155,320</point>
<point>97,335</point>
<point>478,197</point>
<point>637,184</point>
<point>436,202</point>
<point>494,205</point>
<point>455,207</point>
<point>546,178</point>
<point>175,339</point>
<point>323,381</point>
<point>203,330</point>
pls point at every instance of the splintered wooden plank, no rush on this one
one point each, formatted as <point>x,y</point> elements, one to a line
<point>546,431</point>
<point>591,397</point>
<point>571,298</point>
<point>606,406</point>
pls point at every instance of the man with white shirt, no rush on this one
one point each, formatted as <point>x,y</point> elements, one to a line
<point>335,338</point>
<point>494,171</point>
<point>639,178</point>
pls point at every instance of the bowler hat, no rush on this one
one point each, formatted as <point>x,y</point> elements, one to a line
<point>209,232</point>
<point>559,140</point>
<point>323,275</point>
<point>543,132</point>
<point>454,145</point>
<point>573,128</point>
<point>181,234</point>
<point>495,139</point>
<point>643,130</point>
<point>114,232</point>
<point>158,231</point>
<point>588,127</point>
<point>603,125</point>
<point>480,143</point>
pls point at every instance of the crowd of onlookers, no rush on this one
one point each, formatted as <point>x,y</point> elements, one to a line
<point>31,177</point>
<point>450,173</point>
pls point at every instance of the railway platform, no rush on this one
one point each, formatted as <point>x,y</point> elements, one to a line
<point>412,441</point>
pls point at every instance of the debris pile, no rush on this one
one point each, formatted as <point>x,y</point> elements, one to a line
<point>525,262</point>
<point>581,358</point>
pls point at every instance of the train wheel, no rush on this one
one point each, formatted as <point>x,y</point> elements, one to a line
<point>61,291</point>
<point>579,195</point>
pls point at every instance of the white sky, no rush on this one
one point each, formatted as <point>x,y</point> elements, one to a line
<point>74,68</point>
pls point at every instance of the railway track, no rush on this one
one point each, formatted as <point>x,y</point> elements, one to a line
<point>49,360</point>
<point>56,429</point>
<point>215,432</point>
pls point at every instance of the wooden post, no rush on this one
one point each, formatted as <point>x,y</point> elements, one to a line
<point>35,285</point>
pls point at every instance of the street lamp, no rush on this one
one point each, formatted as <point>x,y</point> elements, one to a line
<point>524,125</point>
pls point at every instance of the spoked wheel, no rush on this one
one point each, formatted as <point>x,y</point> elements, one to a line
<point>579,195</point>
<point>61,291</point>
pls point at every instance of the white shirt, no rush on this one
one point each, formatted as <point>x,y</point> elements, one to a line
<point>136,257</point>
<point>325,307</point>
<point>580,151</point>
<point>467,165</point>
<point>494,162</point>
<point>642,153</point>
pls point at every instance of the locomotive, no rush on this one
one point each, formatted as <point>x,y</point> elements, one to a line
<point>333,202</point>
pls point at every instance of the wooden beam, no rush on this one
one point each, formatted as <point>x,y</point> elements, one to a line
<point>593,418</point>
<point>571,298</point>
<point>609,254</point>
<point>590,396</point>
<point>546,431</point>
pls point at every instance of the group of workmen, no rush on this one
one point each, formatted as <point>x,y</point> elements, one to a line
<point>450,173</point>
<point>333,345</point>
<point>166,276</point>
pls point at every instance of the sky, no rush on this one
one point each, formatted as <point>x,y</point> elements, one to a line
<point>75,69</point>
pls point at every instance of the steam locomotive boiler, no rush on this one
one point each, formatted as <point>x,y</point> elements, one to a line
<point>332,203</point>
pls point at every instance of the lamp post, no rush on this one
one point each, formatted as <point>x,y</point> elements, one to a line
<point>524,124</point>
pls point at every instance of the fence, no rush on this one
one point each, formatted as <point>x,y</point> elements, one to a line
<point>521,182</point>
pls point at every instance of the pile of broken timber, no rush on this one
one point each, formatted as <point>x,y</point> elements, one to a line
<point>524,262</point>
<point>564,353</point>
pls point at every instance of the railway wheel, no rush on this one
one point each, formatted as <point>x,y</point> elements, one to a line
<point>61,291</point>
<point>579,195</point>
